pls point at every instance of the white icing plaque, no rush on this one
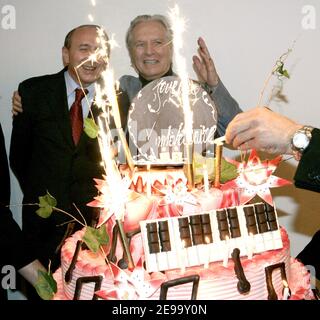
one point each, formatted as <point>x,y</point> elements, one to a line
<point>156,121</point>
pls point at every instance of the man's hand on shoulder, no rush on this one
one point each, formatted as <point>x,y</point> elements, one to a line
<point>16,103</point>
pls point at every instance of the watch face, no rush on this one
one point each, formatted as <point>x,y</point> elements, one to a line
<point>300,140</point>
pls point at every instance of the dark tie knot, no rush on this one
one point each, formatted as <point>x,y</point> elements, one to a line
<point>80,94</point>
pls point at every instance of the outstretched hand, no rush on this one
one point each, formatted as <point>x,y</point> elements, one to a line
<point>261,129</point>
<point>203,65</point>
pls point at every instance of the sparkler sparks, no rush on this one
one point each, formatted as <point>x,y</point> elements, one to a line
<point>113,43</point>
<point>107,89</point>
<point>104,90</point>
<point>114,182</point>
<point>90,16</point>
<point>102,53</point>
<point>110,91</point>
<point>178,27</point>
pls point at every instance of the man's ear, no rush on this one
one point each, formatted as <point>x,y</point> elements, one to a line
<point>65,56</point>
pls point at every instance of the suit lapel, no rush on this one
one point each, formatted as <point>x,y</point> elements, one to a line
<point>59,107</point>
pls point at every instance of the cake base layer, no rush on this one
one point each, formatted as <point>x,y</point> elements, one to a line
<point>216,281</point>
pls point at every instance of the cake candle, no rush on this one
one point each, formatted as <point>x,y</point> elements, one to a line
<point>205,180</point>
<point>148,181</point>
<point>217,165</point>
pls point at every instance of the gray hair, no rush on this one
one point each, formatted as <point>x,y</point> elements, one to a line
<point>146,17</point>
<point>68,38</point>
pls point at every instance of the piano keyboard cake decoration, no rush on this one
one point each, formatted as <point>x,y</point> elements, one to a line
<point>213,232</point>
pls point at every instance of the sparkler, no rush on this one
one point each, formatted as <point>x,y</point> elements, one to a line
<point>113,174</point>
<point>108,89</point>
<point>90,16</point>
<point>217,160</point>
<point>178,26</point>
<point>117,193</point>
<point>111,94</point>
<point>117,205</point>
<point>217,165</point>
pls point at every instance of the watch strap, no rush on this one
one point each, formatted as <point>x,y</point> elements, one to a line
<point>297,152</point>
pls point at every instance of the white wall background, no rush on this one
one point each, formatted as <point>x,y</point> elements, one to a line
<point>245,38</point>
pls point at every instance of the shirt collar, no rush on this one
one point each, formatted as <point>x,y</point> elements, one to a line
<point>71,85</point>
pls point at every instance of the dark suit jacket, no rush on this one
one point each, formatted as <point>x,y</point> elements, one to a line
<point>11,242</point>
<point>307,175</point>
<point>310,254</point>
<point>44,158</point>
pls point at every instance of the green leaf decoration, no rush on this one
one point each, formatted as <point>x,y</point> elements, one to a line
<point>94,238</point>
<point>228,170</point>
<point>91,128</point>
<point>286,74</point>
<point>281,71</point>
<point>46,286</point>
<point>46,205</point>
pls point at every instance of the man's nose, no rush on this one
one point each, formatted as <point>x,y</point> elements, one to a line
<point>149,48</point>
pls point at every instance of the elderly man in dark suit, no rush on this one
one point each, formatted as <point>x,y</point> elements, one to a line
<point>12,246</point>
<point>49,153</point>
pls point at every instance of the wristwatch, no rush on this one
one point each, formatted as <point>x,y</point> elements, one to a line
<point>300,141</point>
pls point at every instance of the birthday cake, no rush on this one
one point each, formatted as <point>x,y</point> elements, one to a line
<point>170,237</point>
<point>181,251</point>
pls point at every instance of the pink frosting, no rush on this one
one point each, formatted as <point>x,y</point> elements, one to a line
<point>216,281</point>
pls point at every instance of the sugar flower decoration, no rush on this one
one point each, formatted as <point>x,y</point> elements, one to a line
<point>255,178</point>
